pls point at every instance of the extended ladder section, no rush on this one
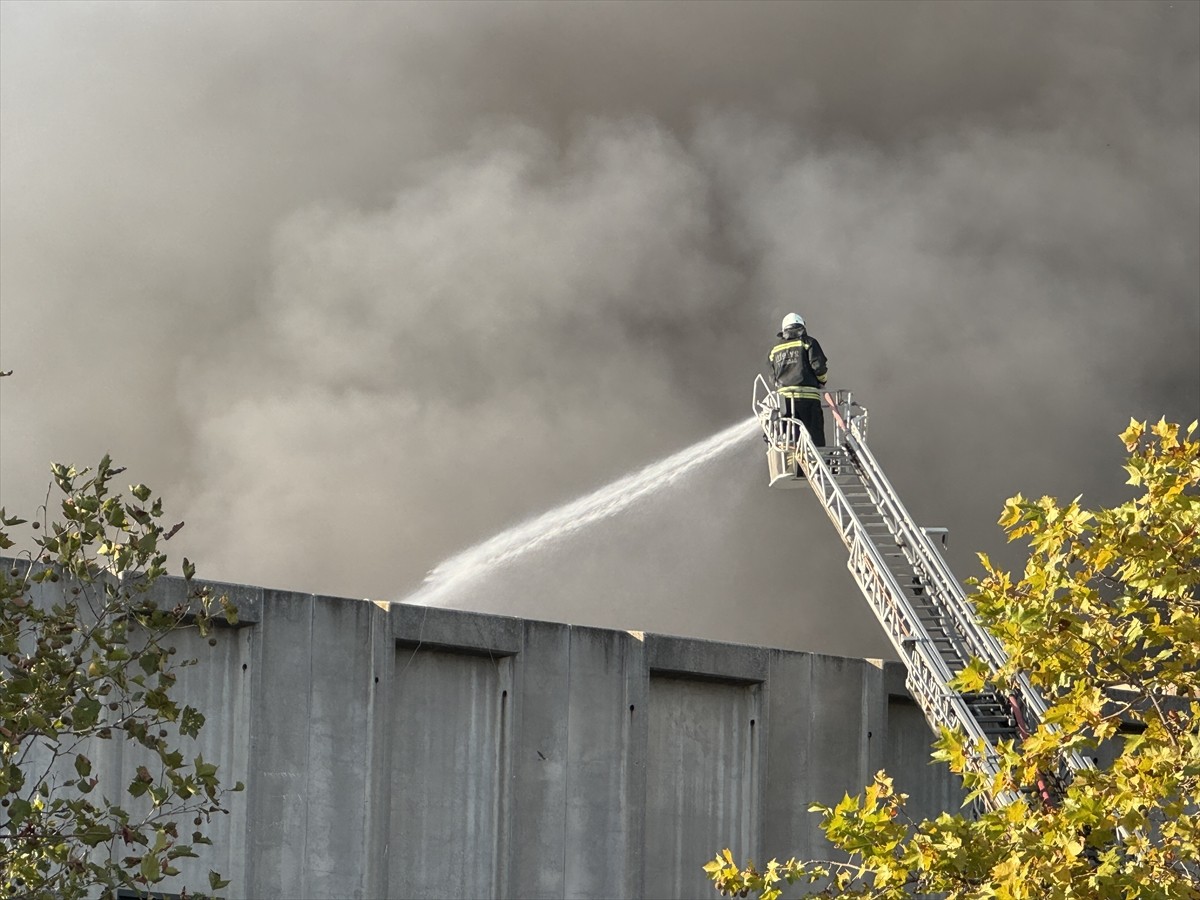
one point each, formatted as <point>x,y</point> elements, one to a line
<point>906,581</point>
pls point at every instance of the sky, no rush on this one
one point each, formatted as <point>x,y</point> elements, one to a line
<point>357,286</point>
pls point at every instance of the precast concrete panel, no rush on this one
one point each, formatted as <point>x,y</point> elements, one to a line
<point>838,756</point>
<point>602,698</point>
<point>277,791</point>
<point>828,732</point>
<point>790,828</point>
<point>449,774</point>
<point>219,686</point>
<point>541,711</point>
<point>930,787</point>
<point>702,780</point>
<point>338,734</point>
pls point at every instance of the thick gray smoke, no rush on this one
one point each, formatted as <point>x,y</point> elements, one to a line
<point>357,286</point>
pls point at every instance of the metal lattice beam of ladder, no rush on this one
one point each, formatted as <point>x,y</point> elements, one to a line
<point>904,578</point>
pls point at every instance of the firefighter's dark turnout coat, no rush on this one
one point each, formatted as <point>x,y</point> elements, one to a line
<point>799,367</point>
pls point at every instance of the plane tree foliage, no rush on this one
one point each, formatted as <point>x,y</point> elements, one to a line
<point>89,657</point>
<point>1105,620</point>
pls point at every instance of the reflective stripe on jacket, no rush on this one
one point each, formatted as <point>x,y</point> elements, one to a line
<point>802,392</point>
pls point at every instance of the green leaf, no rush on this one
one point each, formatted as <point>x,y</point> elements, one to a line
<point>18,811</point>
<point>85,713</point>
<point>215,882</point>
<point>150,661</point>
<point>191,721</point>
<point>140,491</point>
<point>150,868</point>
<point>94,835</point>
<point>203,769</point>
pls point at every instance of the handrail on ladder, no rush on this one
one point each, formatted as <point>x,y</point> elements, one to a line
<point>928,672</point>
<point>1030,706</point>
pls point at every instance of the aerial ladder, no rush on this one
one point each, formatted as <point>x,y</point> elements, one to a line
<point>900,569</point>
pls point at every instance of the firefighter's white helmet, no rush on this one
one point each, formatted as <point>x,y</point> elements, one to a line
<point>791,320</point>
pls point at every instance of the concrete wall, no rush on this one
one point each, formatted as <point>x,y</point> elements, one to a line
<point>412,752</point>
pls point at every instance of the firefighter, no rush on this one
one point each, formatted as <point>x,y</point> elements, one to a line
<point>800,370</point>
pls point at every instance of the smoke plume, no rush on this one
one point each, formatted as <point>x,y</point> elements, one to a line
<point>358,286</point>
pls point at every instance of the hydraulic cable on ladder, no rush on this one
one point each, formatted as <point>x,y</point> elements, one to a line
<point>906,581</point>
